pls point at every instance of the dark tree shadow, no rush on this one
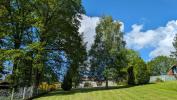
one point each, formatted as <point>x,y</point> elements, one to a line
<point>81,90</point>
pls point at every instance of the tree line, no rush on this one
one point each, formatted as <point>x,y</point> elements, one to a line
<point>111,60</point>
<point>40,38</point>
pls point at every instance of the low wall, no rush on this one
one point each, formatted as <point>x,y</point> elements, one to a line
<point>162,77</point>
<point>94,84</point>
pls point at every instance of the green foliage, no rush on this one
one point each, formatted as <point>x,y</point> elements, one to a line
<point>137,71</point>
<point>109,73</point>
<point>67,82</point>
<point>33,33</point>
<point>87,84</point>
<point>160,65</point>
<point>141,72</point>
<point>174,53</point>
<point>131,76</point>
<point>1,69</point>
<point>131,56</point>
<point>107,53</point>
<point>9,78</point>
<point>159,80</point>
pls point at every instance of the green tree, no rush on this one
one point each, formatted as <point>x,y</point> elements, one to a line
<point>174,53</point>
<point>160,65</point>
<point>141,72</point>
<point>107,52</point>
<point>58,29</point>
<point>137,71</point>
<point>67,82</point>
<point>33,32</point>
<point>16,20</point>
<point>131,75</point>
<point>132,56</point>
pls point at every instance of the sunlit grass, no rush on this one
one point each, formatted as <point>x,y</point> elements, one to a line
<point>159,91</point>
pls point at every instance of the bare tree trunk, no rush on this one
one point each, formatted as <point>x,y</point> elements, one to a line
<point>106,83</point>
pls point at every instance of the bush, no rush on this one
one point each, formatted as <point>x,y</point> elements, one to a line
<point>142,75</point>
<point>52,87</point>
<point>158,80</point>
<point>45,86</point>
<point>99,83</point>
<point>67,83</point>
<point>87,84</point>
<point>138,72</point>
<point>122,83</point>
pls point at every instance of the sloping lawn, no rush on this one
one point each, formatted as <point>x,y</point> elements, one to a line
<point>159,91</point>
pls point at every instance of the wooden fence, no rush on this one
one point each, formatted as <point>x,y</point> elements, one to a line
<point>22,93</point>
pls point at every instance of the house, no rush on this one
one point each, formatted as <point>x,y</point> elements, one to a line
<point>172,71</point>
<point>171,75</point>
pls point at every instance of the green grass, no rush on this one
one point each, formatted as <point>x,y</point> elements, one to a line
<point>159,91</point>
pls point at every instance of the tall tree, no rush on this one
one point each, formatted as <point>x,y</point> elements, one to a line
<point>141,72</point>
<point>16,20</point>
<point>132,56</point>
<point>34,32</point>
<point>138,72</point>
<point>107,52</point>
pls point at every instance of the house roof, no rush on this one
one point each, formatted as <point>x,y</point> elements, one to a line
<point>171,70</point>
<point>172,67</point>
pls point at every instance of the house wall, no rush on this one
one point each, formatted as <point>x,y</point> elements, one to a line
<point>170,72</point>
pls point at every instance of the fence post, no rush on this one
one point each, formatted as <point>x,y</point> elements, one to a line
<point>31,91</point>
<point>24,92</point>
<point>12,94</point>
<point>37,92</point>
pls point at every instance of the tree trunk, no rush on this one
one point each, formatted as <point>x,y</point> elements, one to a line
<point>106,83</point>
<point>75,85</point>
<point>17,44</point>
<point>36,82</point>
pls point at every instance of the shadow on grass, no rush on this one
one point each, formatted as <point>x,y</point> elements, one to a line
<point>82,90</point>
<point>60,92</point>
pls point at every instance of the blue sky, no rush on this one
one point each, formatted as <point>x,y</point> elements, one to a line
<point>150,14</point>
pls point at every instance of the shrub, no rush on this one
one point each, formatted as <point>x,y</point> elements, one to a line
<point>158,80</point>
<point>46,87</point>
<point>87,84</point>
<point>142,75</point>
<point>99,83</point>
<point>67,83</point>
<point>52,87</point>
<point>138,72</point>
<point>122,83</point>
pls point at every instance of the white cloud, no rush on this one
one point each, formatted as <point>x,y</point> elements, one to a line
<point>88,25</point>
<point>160,39</point>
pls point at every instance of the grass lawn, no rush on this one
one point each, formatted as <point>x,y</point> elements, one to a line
<point>159,91</point>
